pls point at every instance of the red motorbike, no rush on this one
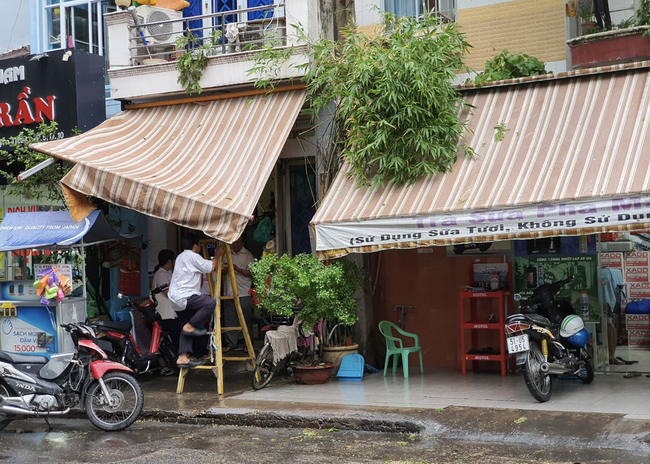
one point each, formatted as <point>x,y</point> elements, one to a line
<point>34,386</point>
<point>159,354</point>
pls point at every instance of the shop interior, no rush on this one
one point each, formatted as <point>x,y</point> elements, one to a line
<point>431,281</point>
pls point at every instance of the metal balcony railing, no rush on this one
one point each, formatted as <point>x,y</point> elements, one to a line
<point>153,38</point>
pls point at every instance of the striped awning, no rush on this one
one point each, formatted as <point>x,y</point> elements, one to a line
<point>574,159</point>
<point>200,165</point>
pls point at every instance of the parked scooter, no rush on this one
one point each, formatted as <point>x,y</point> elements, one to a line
<point>33,386</point>
<point>119,344</point>
<point>549,339</point>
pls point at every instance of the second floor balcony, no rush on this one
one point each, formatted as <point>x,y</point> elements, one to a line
<point>144,46</point>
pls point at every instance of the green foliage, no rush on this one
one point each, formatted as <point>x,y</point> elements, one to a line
<point>643,15</point>
<point>500,133</point>
<point>399,112</point>
<point>193,62</point>
<point>43,185</point>
<point>586,10</point>
<point>507,66</point>
<point>326,290</point>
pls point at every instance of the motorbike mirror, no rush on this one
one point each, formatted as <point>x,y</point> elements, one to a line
<point>120,296</point>
<point>517,297</point>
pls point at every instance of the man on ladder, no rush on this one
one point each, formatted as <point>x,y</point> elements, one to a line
<point>193,308</point>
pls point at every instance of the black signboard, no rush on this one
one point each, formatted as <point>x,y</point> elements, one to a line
<point>66,86</point>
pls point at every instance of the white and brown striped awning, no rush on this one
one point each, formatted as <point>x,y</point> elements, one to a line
<point>200,165</point>
<point>574,149</point>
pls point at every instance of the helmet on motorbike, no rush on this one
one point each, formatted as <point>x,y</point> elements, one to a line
<point>579,339</point>
<point>571,325</point>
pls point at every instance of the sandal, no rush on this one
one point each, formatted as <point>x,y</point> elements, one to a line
<point>631,374</point>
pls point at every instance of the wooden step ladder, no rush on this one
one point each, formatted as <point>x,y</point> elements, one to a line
<point>217,359</point>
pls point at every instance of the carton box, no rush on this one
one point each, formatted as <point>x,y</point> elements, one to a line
<point>637,273</point>
<point>637,321</point>
<point>638,337</point>
<point>638,290</point>
<point>613,259</point>
<point>637,259</point>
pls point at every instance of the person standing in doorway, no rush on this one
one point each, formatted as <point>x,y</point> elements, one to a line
<point>162,275</point>
<point>192,307</point>
<point>241,259</point>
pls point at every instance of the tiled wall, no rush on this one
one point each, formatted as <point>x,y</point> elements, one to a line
<point>534,27</point>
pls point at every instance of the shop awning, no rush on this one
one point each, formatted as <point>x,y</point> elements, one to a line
<point>574,159</point>
<point>51,229</point>
<point>200,165</point>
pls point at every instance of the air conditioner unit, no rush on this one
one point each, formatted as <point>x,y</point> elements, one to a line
<point>158,34</point>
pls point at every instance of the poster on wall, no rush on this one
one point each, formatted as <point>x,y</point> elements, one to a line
<point>33,330</point>
<point>577,258</point>
<point>533,271</point>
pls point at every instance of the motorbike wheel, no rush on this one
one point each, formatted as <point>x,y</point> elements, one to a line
<point>5,419</point>
<point>126,393</point>
<point>264,368</point>
<point>587,373</point>
<point>539,385</point>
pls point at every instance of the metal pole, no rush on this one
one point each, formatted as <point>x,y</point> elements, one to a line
<point>83,269</point>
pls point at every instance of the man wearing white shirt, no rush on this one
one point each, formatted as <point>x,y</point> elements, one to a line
<point>192,307</point>
<point>241,259</point>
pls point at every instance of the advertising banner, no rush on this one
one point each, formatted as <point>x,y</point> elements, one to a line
<point>545,219</point>
<point>533,271</point>
<point>33,330</point>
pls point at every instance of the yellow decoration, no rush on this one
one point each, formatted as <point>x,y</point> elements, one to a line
<point>8,309</point>
<point>175,5</point>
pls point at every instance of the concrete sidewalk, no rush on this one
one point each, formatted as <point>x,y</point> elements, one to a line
<point>612,412</point>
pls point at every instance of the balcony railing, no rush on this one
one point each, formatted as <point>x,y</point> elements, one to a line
<point>153,37</point>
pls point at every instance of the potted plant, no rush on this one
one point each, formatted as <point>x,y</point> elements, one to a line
<point>326,294</point>
<point>587,20</point>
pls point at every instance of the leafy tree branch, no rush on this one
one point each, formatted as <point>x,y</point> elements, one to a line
<point>398,112</point>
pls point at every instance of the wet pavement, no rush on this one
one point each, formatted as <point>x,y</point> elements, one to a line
<point>74,441</point>
<point>279,423</point>
<point>286,404</point>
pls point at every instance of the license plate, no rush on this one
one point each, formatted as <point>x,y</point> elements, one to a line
<point>518,344</point>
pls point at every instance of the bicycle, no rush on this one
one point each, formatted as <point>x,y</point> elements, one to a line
<point>283,333</point>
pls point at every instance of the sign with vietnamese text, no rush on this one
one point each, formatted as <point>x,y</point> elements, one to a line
<point>561,218</point>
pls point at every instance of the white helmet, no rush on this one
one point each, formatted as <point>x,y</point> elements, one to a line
<point>571,325</point>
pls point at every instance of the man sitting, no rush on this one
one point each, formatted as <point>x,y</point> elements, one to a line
<point>193,308</point>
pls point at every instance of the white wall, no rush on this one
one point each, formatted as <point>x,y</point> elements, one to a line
<point>14,24</point>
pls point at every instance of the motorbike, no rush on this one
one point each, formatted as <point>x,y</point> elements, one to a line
<point>548,340</point>
<point>118,341</point>
<point>33,386</point>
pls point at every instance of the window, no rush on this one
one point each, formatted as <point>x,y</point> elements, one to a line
<point>414,8</point>
<point>73,23</point>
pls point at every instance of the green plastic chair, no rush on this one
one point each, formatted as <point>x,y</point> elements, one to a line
<point>395,346</point>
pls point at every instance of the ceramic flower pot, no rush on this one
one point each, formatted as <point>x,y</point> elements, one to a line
<point>313,375</point>
<point>334,354</point>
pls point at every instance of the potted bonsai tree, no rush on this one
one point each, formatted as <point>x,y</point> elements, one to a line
<point>326,294</point>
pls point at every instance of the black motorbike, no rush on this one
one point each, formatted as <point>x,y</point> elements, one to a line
<point>548,339</point>
<point>118,342</point>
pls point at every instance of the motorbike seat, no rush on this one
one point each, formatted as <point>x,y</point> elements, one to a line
<point>122,326</point>
<point>16,358</point>
<point>534,318</point>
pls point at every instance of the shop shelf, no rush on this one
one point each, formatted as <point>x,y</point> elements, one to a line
<point>475,324</point>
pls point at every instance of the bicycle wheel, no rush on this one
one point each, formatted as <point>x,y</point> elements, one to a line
<point>264,368</point>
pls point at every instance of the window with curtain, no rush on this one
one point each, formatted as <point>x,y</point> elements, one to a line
<point>414,8</point>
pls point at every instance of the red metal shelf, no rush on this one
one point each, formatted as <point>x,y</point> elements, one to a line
<point>475,324</point>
